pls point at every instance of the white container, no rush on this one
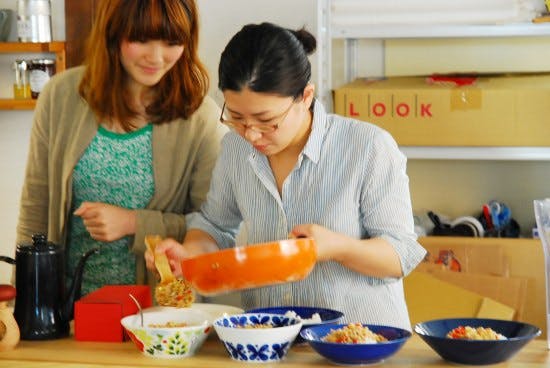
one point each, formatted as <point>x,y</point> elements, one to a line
<point>542,216</point>
<point>34,22</point>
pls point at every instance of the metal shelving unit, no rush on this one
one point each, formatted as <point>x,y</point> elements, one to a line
<point>327,31</point>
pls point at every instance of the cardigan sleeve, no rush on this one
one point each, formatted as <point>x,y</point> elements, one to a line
<point>33,209</point>
<point>182,174</point>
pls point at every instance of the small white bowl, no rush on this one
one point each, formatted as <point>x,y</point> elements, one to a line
<point>168,342</point>
<point>257,345</point>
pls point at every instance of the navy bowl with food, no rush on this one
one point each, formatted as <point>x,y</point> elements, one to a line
<point>306,314</point>
<point>356,353</point>
<point>476,352</point>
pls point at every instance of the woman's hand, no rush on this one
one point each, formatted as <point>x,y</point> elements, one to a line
<point>328,242</point>
<point>106,222</point>
<point>174,251</point>
<point>196,242</point>
<point>372,257</point>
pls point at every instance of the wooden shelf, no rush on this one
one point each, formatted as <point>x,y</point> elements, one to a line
<point>56,47</point>
<point>17,104</point>
<point>28,47</point>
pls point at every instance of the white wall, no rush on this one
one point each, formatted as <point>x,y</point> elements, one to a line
<point>221,19</point>
<point>14,135</point>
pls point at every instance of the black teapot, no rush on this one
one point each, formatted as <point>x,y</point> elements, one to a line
<point>43,308</point>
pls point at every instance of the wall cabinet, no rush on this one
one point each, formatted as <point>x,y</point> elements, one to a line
<point>56,48</point>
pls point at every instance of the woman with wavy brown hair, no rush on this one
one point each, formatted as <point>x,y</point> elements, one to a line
<point>124,145</point>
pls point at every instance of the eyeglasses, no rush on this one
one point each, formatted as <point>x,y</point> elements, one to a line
<point>263,127</point>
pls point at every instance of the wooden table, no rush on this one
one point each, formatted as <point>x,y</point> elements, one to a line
<point>68,353</point>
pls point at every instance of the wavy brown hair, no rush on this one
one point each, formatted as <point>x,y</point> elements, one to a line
<point>180,91</point>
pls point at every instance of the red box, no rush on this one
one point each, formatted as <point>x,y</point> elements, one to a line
<point>97,315</point>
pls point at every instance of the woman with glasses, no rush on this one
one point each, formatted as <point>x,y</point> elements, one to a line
<point>125,145</point>
<point>289,168</point>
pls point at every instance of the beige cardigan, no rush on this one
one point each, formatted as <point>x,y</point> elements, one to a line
<point>184,153</point>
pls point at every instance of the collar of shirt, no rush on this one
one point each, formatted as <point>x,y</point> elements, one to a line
<point>314,143</point>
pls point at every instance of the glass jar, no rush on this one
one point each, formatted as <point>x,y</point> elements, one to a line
<point>34,23</point>
<point>40,72</point>
<point>21,85</point>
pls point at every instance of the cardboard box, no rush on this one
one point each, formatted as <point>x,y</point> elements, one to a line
<point>510,291</point>
<point>430,298</point>
<point>97,315</point>
<point>418,111</point>
<point>525,260</point>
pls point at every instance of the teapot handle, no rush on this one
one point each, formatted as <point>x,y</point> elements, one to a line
<point>7,260</point>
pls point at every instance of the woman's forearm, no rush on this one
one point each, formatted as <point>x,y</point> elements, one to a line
<point>373,257</point>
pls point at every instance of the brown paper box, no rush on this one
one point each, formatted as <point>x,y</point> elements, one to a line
<point>430,298</point>
<point>524,259</point>
<point>494,111</point>
<point>510,291</point>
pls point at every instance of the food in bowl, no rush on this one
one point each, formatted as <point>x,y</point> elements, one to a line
<point>354,333</point>
<point>245,342</point>
<point>356,353</point>
<point>314,319</point>
<point>474,333</point>
<point>169,333</point>
<point>168,324</point>
<point>259,325</point>
<point>308,316</point>
<point>250,266</point>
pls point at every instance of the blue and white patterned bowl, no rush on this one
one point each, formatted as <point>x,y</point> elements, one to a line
<point>257,345</point>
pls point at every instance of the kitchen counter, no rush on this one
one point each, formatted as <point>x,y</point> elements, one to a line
<point>68,353</point>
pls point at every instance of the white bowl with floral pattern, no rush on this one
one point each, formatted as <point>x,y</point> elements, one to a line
<point>170,334</point>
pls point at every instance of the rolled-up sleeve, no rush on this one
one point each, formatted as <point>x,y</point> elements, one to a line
<point>386,204</point>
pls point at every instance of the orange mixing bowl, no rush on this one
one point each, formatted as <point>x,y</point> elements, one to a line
<point>250,266</point>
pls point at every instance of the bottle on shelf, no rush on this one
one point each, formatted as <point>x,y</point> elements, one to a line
<point>21,85</point>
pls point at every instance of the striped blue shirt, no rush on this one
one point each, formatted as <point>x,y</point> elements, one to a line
<point>350,178</point>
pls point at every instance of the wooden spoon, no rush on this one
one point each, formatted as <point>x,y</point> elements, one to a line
<point>170,291</point>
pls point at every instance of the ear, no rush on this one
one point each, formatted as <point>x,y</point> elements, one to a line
<point>309,94</point>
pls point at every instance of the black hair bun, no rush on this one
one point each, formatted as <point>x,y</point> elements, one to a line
<point>307,39</point>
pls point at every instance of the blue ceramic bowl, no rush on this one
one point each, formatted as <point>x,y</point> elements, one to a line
<point>328,316</point>
<point>356,354</point>
<point>257,345</point>
<point>476,352</point>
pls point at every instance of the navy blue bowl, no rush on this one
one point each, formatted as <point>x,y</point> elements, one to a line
<point>328,316</point>
<point>476,352</point>
<point>355,354</point>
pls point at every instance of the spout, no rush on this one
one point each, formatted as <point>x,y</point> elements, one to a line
<point>7,260</point>
<point>76,286</point>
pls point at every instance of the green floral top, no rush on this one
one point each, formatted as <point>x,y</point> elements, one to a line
<point>116,169</point>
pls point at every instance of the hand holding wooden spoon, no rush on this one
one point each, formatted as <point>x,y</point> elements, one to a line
<point>170,291</point>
